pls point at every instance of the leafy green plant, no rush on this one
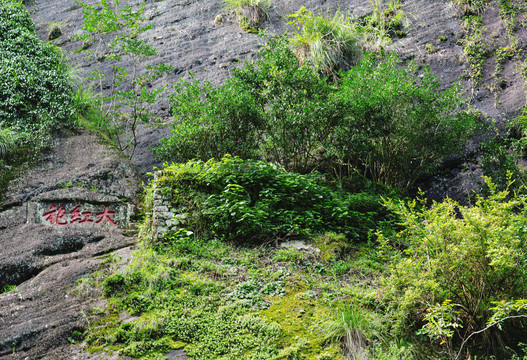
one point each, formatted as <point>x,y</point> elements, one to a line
<point>380,120</point>
<point>242,201</point>
<point>271,109</point>
<point>211,122</point>
<point>328,42</point>
<point>395,128</point>
<point>112,36</point>
<point>472,256</point>
<point>441,321</point>
<point>501,164</point>
<point>35,93</point>
<point>386,21</point>
<point>251,13</point>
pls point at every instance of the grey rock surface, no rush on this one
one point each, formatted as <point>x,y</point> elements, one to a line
<point>42,264</point>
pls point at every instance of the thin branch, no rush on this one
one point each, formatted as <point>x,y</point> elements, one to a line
<point>485,329</point>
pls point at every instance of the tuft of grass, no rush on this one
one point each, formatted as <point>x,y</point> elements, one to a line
<point>350,328</point>
<point>251,13</point>
<point>471,7</point>
<point>86,101</point>
<point>9,288</point>
<point>386,21</point>
<point>330,42</point>
<point>54,30</point>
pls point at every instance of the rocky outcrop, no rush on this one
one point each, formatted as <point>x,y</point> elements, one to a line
<point>200,36</point>
<point>49,223</point>
<point>45,252</point>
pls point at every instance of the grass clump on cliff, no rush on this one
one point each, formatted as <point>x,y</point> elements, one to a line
<point>385,22</point>
<point>329,42</point>
<point>251,13</point>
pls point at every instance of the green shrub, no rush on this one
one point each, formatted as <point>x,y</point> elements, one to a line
<point>501,165</point>
<point>35,95</point>
<point>296,111</point>
<point>397,128</point>
<point>251,13</point>
<point>242,200</point>
<point>329,42</point>
<point>465,258</point>
<point>211,122</point>
<point>389,122</point>
<point>271,109</point>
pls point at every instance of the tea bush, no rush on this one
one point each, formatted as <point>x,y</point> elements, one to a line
<point>35,95</point>
<point>272,109</point>
<point>396,127</point>
<point>388,121</point>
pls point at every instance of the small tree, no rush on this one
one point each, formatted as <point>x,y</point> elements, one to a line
<point>113,37</point>
<point>271,109</point>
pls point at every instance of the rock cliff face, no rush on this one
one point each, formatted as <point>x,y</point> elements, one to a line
<point>45,249</point>
<point>200,36</point>
<point>46,260</point>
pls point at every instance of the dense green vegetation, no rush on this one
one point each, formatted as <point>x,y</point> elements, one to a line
<point>254,201</point>
<point>36,96</point>
<point>313,142</point>
<point>378,119</point>
<point>219,287</point>
<point>458,268</point>
<point>422,288</point>
<point>35,92</point>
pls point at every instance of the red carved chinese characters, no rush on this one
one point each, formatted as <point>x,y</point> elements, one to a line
<point>105,215</point>
<point>51,214</point>
<point>77,216</point>
<point>58,216</point>
<point>61,214</point>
